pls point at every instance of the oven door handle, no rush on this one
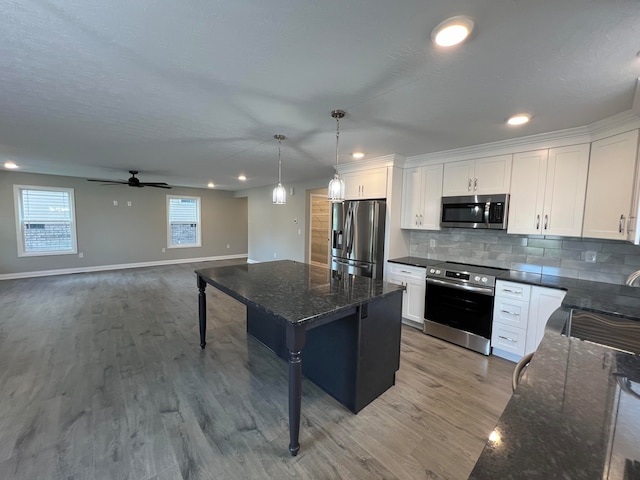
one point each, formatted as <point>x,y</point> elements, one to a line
<point>468,288</point>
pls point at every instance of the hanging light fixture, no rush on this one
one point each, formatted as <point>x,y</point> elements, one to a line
<point>279,193</point>
<point>336,185</point>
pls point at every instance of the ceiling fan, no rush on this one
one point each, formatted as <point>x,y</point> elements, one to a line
<point>132,182</point>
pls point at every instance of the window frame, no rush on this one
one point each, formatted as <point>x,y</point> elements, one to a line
<point>198,223</point>
<point>20,234</point>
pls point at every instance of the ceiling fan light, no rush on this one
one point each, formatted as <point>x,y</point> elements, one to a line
<point>452,31</point>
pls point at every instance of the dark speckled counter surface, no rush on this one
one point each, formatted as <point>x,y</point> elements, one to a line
<point>295,292</point>
<point>575,415</point>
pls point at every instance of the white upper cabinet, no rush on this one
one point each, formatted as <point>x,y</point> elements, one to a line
<point>608,206</point>
<point>421,197</point>
<point>477,177</point>
<point>366,184</point>
<point>548,191</point>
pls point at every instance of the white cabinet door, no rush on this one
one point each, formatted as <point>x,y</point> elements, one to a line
<point>432,197</point>
<point>412,197</point>
<point>416,290</point>
<point>612,167</point>
<point>565,190</point>
<point>374,183</point>
<point>492,175</point>
<point>528,177</point>
<point>352,185</point>
<point>544,301</point>
<point>421,197</point>
<point>458,178</point>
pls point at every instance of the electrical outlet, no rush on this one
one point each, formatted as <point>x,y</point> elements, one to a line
<point>432,243</point>
<point>81,255</point>
<point>228,246</point>
<point>590,257</point>
<point>299,231</point>
<point>275,255</point>
<point>164,250</point>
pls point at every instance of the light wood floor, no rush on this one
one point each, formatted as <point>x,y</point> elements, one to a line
<point>101,377</point>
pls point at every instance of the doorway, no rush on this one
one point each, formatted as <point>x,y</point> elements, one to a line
<point>319,225</point>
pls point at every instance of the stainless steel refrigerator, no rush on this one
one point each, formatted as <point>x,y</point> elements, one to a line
<point>357,237</point>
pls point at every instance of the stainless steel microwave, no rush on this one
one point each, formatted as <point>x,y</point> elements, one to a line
<point>475,211</point>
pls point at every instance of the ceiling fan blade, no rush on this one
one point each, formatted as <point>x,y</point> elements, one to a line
<point>155,185</point>
<point>113,182</point>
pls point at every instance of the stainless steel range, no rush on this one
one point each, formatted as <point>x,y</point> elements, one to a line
<point>459,304</point>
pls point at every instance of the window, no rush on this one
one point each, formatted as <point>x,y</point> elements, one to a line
<point>45,220</point>
<point>183,228</point>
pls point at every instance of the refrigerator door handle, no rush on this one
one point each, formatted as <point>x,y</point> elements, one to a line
<point>348,229</point>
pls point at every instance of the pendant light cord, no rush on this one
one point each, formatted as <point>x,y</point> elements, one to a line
<point>337,141</point>
<point>279,163</point>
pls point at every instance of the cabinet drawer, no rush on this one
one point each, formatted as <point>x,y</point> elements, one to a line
<point>514,313</point>
<point>515,290</point>
<point>406,270</point>
<point>509,339</point>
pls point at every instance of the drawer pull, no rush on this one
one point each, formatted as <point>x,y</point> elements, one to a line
<point>519,292</point>
<point>405,271</point>
<point>510,313</point>
<point>507,338</point>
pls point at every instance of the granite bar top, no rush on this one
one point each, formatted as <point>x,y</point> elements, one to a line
<point>575,414</point>
<point>295,292</point>
<point>416,261</point>
<point>616,300</point>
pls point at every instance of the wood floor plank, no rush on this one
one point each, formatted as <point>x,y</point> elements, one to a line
<point>103,378</point>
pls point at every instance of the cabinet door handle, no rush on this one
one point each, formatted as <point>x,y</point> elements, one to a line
<point>469,186</point>
<point>546,222</point>
<point>537,222</point>
<point>507,338</point>
<point>510,313</point>
<point>362,190</point>
<point>420,219</point>
<point>621,224</point>
<point>416,219</point>
<point>475,184</point>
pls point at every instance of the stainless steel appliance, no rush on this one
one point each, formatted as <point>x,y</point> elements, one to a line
<point>459,304</point>
<point>357,237</point>
<point>475,211</point>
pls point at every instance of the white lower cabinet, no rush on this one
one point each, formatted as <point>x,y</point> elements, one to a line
<point>520,315</point>
<point>414,279</point>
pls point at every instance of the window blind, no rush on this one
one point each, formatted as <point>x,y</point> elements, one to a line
<point>45,206</point>
<point>183,210</point>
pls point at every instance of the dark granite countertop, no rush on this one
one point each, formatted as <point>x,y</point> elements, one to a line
<point>416,261</point>
<point>616,300</point>
<point>575,414</point>
<point>295,292</point>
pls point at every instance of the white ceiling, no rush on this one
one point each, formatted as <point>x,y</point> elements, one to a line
<point>193,91</point>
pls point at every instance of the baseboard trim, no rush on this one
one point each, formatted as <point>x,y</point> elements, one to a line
<point>121,266</point>
<point>250,260</point>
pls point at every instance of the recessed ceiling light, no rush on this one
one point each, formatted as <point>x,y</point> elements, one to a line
<point>210,185</point>
<point>452,31</point>
<point>519,119</point>
<point>357,154</point>
<point>10,165</point>
<point>242,178</point>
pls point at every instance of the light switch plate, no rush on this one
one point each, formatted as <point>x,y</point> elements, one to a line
<point>590,256</point>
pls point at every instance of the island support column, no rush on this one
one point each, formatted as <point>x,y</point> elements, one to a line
<point>202,310</point>
<point>295,343</point>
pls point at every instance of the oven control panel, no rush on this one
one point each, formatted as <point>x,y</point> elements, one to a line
<point>463,276</point>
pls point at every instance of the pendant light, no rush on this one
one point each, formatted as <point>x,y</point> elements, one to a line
<point>336,185</point>
<point>279,193</point>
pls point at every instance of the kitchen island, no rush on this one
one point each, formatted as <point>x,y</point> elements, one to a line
<point>341,331</point>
